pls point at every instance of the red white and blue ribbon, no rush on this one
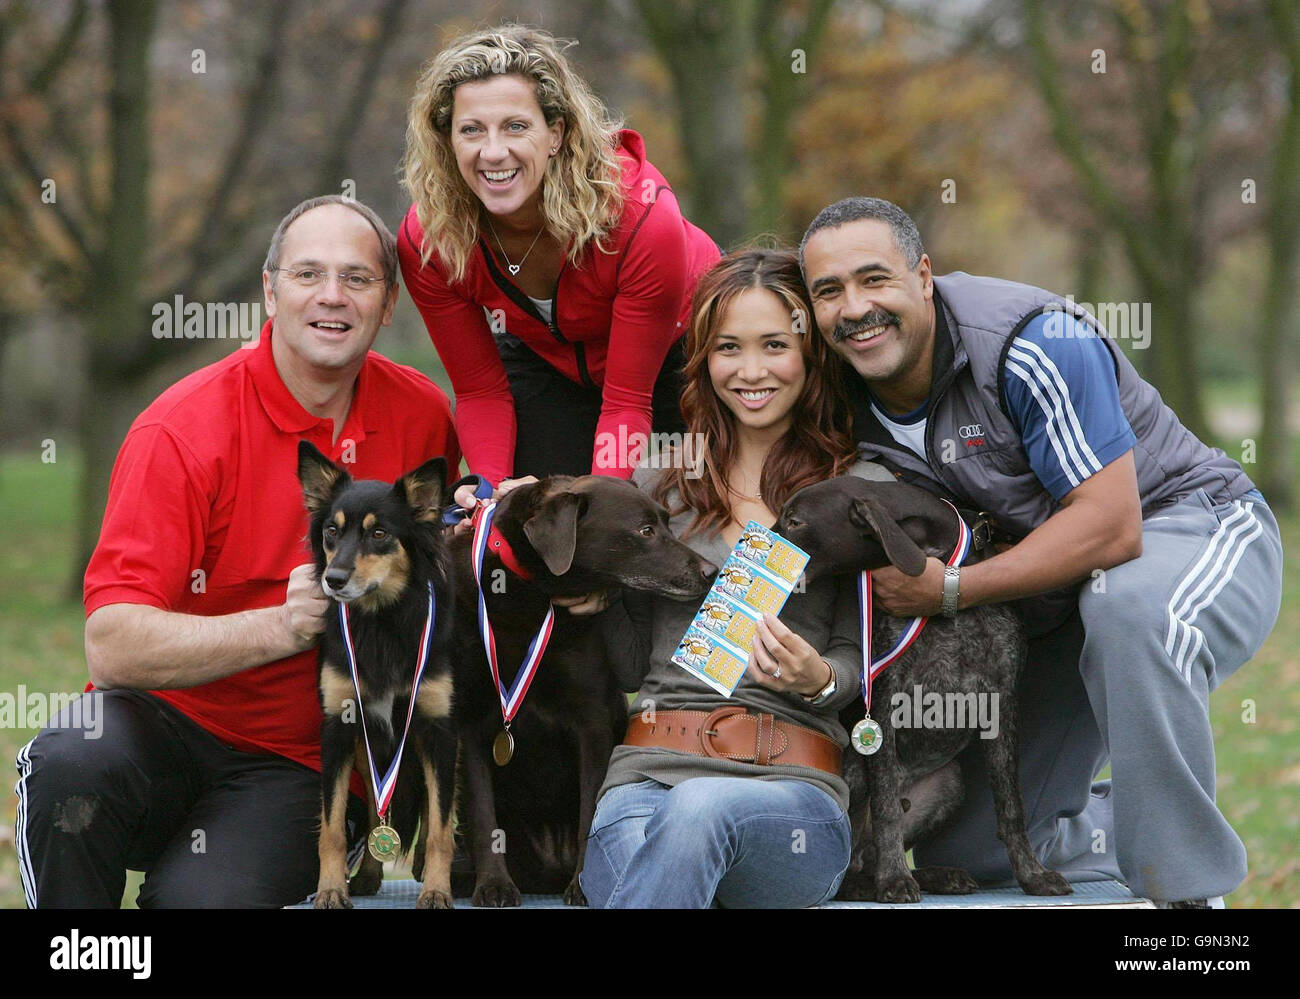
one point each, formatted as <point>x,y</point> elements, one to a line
<point>513,698</point>
<point>384,788</point>
<point>871,668</point>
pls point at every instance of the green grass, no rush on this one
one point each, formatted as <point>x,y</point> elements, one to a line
<point>41,639</point>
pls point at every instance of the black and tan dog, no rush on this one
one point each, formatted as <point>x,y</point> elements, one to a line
<point>378,548</point>
<point>913,784</point>
<point>527,821</point>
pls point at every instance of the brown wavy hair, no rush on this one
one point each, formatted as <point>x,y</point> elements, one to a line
<point>582,193</point>
<point>819,444</point>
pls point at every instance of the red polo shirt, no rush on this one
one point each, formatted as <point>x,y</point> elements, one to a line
<point>205,516</point>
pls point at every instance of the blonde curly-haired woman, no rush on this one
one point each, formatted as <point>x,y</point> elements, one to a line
<point>548,257</point>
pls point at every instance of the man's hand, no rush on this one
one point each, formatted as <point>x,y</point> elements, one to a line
<point>305,607</point>
<point>1098,526</point>
<point>909,596</point>
<point>588,603</point>
<point>781,660</point>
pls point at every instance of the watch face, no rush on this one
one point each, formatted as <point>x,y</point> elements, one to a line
<point>825,693</point>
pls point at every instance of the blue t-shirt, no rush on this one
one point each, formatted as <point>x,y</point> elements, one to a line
<point>1063,396</point>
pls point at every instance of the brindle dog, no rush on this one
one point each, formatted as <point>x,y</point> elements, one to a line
<point>913,784</point>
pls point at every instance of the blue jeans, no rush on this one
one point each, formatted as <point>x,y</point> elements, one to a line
<point>776,844</point>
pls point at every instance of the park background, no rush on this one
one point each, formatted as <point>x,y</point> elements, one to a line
<point>1120,151</point>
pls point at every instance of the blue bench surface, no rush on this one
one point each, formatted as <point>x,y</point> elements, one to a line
<point>401,892</point>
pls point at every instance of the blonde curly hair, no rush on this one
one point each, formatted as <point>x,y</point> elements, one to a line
<point>582,195</point>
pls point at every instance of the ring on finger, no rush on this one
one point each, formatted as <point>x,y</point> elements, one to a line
<point>777,674</point>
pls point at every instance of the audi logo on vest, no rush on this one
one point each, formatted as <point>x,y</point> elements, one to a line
<point>972,434</point>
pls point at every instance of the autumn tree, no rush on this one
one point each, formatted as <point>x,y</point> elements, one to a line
<point>1159,68</point>
<point>734,63</point>
<point>125,190</point>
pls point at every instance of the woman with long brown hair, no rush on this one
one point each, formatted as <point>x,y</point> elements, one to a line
<point>697,806</point>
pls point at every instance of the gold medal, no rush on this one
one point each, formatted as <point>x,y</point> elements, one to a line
<point>384,844</point>
<point>867,736</point>
<point>503,747</point>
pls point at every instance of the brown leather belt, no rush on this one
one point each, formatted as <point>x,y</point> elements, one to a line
<point>732,734</point>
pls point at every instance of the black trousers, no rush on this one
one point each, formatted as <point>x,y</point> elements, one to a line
<point>555,417</point>
<point>142,787</point>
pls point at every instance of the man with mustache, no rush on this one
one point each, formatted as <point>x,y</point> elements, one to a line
<point>1153,562</point>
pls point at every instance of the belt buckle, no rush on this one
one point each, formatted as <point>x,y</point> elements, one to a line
<point>708,729</point>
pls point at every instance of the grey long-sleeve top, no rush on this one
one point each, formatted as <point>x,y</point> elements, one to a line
<point>643,631</point>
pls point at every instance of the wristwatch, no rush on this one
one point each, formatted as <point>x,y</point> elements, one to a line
<point>825,694</point>
<point>951,587</point>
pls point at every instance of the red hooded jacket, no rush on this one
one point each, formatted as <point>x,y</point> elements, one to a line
<point>615,315</point>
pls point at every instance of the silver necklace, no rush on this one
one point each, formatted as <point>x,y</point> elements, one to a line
<point>757,496</point>
<point>514,268</point>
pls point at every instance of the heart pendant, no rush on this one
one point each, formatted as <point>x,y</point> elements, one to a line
<point>514,269</point>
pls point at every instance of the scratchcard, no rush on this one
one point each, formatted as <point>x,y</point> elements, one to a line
<point>712,659</point>
<point>760,545</point>
<point>757,578</point>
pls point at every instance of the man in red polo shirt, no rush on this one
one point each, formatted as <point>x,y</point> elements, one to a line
<point>202,763</point>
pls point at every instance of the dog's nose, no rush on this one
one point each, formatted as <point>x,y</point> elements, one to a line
<point>337,577</point>
<point>707,569</point>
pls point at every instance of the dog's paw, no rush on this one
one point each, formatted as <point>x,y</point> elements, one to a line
<point>1046,883</point>
<point>573,894</point>
<point>899,889</point>
<point>366,882</point>
<point>431,899</point>
<point>496,895</point>
<point>332,898</point>
<point>945,881</point>
<point>857,887</point>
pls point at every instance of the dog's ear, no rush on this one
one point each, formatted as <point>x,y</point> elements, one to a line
<point>553,531</point>
<point>423,490</point>
<point>869,514</point>
<point>321,479</point>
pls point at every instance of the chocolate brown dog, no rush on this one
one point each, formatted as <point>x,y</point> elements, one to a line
<point>527,819</point>
<point>913,784</point>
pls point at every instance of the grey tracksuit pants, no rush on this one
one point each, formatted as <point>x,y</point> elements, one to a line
<point>1128,679</point>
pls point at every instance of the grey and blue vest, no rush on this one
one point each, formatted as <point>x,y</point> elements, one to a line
<point>974,454</point>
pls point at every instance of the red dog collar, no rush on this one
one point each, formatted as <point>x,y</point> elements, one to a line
<point>499,546</point>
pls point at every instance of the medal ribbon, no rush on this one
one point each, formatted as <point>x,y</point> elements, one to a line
<point>511,699</point>
<point>384,788</point>
<point>873,668</point>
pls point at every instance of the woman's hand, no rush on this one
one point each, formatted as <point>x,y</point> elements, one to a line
<point>784,662</point>
<point>466,500</point>
<point>588,603</point>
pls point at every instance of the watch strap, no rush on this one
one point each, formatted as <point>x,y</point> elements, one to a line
<point>951,590</point>
<point>826,693</point>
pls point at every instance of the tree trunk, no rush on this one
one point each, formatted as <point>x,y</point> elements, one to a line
<point>117,277</point>
<point>706,47</point>
<point>1276,473</point>
<point>1173,367</point>
<point>784,87</point>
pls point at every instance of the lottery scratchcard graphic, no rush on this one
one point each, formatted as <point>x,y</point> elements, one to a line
<point>762,547</point>
<point>712,659</point>
<point>758,577</point>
